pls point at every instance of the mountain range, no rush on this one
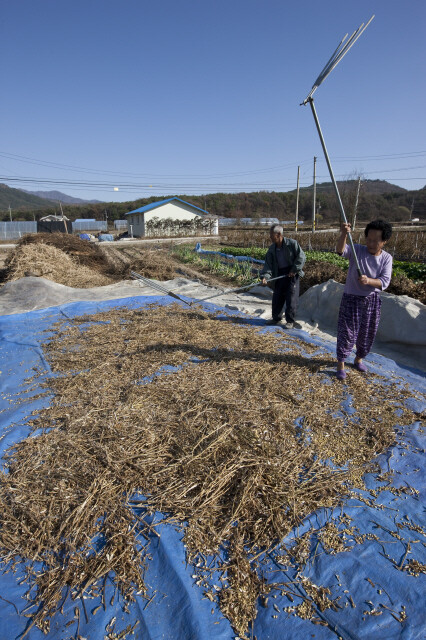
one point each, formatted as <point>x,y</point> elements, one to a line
<point>58,196</point>
<point>22,200</point>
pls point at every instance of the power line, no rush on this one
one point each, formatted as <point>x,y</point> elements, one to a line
<point>169,187</point>
<point>56,165</point>
<point>74,168</point>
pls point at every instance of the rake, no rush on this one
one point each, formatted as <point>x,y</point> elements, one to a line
<point>157,287</point>
<point>334,60</point>
<point>167,292</point>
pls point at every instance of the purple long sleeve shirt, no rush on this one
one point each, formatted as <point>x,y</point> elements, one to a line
<point>377,267</point>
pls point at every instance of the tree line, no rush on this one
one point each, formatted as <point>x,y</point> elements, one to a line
<point>396,205</point>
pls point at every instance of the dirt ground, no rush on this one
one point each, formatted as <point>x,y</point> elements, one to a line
<point>3,256</point>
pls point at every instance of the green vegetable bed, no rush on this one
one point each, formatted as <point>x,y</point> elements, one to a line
<point>414,270</point>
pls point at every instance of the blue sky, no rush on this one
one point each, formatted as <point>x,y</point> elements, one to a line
<point>192,97</point>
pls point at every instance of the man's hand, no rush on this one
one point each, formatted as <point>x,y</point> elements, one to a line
<point>292,274</point>
<point>345,228</point>
<point>264,282</point>
<point>364,279</point>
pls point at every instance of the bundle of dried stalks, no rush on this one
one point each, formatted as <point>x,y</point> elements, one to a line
<point>156,265</point>
<point>86,253</point>
<point>150,263</point>
<point>47,261</point>
<point>247,437</point>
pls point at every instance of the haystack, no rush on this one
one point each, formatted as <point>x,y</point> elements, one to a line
<point>45,260</point>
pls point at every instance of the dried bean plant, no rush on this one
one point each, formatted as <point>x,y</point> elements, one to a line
<point>235,434</point>
<point>47,261</point>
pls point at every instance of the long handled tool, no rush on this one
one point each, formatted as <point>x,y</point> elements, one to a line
<point>157,287</point>
<point>164,291</point>
<point>249,286</point>
<point>337,55</point>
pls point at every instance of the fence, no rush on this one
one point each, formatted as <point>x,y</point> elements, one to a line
<point>14,230</point>
<point>259,222</point>
<point>89,225</point>
<point>120,224</point>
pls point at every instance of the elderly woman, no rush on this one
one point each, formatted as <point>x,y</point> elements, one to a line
<point>284,258</point>
<point>359,313</point>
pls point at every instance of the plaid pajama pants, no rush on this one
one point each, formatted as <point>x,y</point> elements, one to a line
<point>358,322</point>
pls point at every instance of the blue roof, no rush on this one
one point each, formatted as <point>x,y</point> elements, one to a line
<point>159,203</point>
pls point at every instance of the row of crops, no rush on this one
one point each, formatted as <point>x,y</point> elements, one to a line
<point>243,272</point>
<point>406,245</point>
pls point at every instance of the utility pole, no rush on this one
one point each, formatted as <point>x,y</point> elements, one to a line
<point>297,199</point>
<point>356,203</point>
<point>315,194</point>
<point>63,219</point>
<point>411,210</point>
<point>10,213</point>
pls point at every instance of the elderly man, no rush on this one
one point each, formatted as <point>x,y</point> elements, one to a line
<point>284,258</point>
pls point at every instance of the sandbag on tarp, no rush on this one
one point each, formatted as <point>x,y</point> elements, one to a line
<point>389,602</point>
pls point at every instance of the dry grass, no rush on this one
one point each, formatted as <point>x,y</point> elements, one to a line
<point>150,263</point>
<point>241,445</point>
<point>68,260</point>
<point>47,261</point>
<point>85,253</point>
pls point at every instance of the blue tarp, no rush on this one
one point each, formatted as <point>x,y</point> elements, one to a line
<point>229,256</point>
<point>178,610</point>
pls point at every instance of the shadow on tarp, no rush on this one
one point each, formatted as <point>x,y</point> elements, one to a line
<point>177,610</point>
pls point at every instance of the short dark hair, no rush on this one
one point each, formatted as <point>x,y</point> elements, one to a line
<point>380,225</point>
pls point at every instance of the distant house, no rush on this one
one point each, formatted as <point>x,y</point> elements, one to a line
<point>229,222</point>
<point>171,217</point>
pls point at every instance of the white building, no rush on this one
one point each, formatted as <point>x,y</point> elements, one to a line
<point>171,217</point>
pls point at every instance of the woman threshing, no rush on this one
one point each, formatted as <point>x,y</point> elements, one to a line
<point>359,312</point>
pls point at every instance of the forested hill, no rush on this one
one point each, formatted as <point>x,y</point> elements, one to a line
<point>58,196</point>
<point>370,187</point>
<point>376,199</point>
<point>19,200</point>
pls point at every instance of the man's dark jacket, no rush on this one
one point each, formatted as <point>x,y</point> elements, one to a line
<point>295,258</point>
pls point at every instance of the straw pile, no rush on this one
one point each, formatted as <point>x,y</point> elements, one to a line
<point>46,261</point>
<point>85,253</point>
<point>154,264</point>
<point>241,442</point>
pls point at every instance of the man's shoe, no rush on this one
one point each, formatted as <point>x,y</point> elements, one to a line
<point>273,321</point>
<point>289,325</point>
<point>341,374</point>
